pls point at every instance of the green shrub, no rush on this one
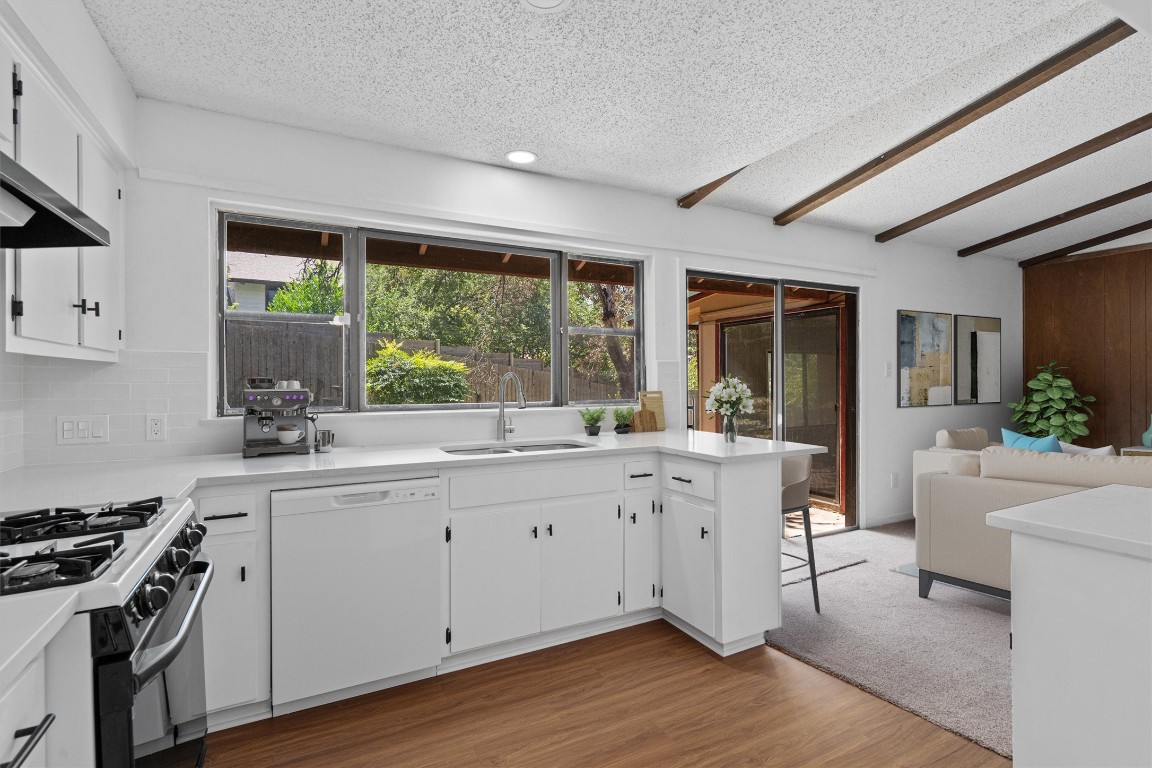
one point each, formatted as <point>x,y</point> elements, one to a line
<point>394,377</point>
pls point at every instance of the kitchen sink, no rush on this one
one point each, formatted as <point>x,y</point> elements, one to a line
<point>489,449</point>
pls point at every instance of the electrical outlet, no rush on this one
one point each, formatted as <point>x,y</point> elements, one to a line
<point>81,430</point>
<point>156,426</point>
<point>887,370</point>
<point>893,479</point>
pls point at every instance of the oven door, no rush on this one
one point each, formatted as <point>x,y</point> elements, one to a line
<point>169,711</point>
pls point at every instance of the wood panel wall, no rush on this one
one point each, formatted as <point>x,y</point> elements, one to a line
<point>1093,313</point>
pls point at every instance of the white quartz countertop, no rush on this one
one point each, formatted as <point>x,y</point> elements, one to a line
<point>28,622</point>
<point>98,482</point>
<point>1113,518</point>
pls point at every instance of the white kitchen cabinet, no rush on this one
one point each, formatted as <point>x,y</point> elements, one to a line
<point>641,571</point>
<point>582,560</point>
<point>688,563</point>
<point>100,267</point>
<point>71,298</point>
<point>231,649</point>
<point>495,576</point>
<point>7,101</point>
<point>22,711</point>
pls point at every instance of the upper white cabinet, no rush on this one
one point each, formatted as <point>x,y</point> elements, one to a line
<point>70,302</point>
<point>100,268</point>
<point>7,126</point>
<point>47,137</point>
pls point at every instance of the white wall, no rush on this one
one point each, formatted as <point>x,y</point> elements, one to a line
<point>191,160</point>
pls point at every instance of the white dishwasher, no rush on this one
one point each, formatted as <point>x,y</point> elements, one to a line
<point>355,586</point>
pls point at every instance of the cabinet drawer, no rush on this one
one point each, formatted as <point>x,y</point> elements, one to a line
<point>532,484</point>
<point>22,706</point>
<point>639,474</point>
<point>228,514</point>
<point>691,479</point>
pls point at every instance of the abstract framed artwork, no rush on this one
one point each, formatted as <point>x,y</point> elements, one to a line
<point>924,358</point>
<point>977,356</point>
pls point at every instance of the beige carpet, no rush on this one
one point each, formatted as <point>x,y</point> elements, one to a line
<point>945,658</point>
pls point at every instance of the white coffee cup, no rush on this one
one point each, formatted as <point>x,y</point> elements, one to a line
<point>288,435</point>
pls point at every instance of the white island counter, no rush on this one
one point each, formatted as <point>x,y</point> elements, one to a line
<point>1082,628</point>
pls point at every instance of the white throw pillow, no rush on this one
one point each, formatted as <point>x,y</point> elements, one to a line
<point>1105,451</point>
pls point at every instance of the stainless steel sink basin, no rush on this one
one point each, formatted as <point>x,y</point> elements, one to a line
<point>547,447</point>
<point>476,451</point>
<point>490,449</point>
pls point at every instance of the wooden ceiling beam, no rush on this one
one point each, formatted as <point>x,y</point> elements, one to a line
<point>1060,218</point>
<point>1070,249</point>
<point>1103,141</point>
<point>696,195</point>
<point>1078,52</point>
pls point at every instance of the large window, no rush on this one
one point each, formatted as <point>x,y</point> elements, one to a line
<point>373,320</point>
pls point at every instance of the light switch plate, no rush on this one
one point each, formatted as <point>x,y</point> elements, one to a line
<point>81,430</point>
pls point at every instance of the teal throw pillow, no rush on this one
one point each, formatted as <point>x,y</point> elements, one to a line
<point>1050,444</point>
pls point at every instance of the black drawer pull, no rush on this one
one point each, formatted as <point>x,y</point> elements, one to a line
<point>642,474</point>
<point>633,518</point>
<point>703,532</point>
<point>37,733</point>
<point>226,517</point>
<point>683,479</point>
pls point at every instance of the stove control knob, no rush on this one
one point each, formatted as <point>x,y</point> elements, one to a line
<point>152,599</point>
<point>194,534</point>
<point>165,581</point>
<point>177,558</point>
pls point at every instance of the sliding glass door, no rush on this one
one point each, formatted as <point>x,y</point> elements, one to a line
<point>810,360</point>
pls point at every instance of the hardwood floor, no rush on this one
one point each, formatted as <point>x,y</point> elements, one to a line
<point>642,696</point>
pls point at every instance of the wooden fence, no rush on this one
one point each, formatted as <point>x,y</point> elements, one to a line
<point>310,349</point>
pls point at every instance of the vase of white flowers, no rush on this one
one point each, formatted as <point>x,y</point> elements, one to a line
<point>729,397</point>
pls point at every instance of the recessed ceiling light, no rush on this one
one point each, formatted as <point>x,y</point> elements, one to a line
<point>521,156</point>
<point>546,6</point>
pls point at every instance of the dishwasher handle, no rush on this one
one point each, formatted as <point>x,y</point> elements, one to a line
<point>359,499</point>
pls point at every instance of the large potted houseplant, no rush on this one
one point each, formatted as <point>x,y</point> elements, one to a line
<point>1052,406</point>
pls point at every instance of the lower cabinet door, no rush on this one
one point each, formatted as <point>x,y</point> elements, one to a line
<point>495,563</point>
<point>230,643</point>
<point>581,562</point>
<point>688,563</point>
<point>641,574</point>
<point>22,706</point>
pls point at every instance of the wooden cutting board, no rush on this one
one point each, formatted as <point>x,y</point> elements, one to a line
<point>644,421</point>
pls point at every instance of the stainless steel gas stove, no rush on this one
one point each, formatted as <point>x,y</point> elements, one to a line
<point>132,658</point>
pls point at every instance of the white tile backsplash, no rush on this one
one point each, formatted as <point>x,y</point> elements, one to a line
<point>35,390</point>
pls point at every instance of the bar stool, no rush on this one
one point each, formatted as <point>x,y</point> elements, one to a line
<point>795,479</point>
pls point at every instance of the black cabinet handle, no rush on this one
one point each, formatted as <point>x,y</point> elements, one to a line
<point>243,573</point>
<point>37,733</point>
<point>683,479</point>
<point>226,517</point>
<point>83,307</point>
<point>633,518</point>
<point>642,474</point>
<point>549,529</point>
<point>96,308</point>
<point>535,533</point>
<point>703,532</point>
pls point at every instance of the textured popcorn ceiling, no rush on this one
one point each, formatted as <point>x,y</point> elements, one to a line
<point>665,95</point>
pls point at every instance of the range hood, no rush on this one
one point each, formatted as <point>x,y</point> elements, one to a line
<point>36,216</point>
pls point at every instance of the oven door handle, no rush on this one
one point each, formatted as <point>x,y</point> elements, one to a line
<point>155,660</point>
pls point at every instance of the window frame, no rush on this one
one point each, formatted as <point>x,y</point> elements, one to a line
<point>355,336</point>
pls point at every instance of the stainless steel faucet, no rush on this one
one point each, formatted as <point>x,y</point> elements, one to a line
<point>503,428</point>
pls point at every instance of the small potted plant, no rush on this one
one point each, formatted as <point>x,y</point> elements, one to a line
<point>623,419</point>
<point>592,418</point>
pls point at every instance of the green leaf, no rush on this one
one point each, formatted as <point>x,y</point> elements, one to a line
<point>1079,429</point>
<point>1057,420</point>
<point>1039,397</point>
<point>1045,377</point>
<point>1032,407</point>
<point>1080,417</point>
<point>1035,384</point>
<point>1044,424</point>
<point>1060,381</point>
<point>1055,392</point>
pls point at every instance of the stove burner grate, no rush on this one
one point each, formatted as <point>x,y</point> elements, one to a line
<point>83,563</point>
<point>45,524</point>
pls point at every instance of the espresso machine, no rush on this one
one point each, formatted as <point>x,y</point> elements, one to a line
<point>275,417</point>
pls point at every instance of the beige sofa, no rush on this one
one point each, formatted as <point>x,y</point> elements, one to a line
<point>955,545</point>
